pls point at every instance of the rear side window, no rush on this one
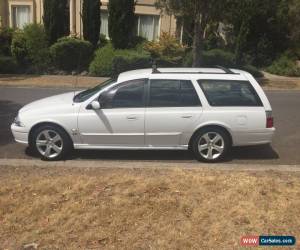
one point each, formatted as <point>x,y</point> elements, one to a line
<point>230,93</point>
<point>173,93</point>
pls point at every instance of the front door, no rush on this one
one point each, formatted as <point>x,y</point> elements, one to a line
<point>120,121</point>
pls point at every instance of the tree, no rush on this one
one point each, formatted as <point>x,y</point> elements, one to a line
<point>91,20</point>
<point>260,29</point>
<point>202,12</point>
<point>121,23</point>
<point>294,23</point>
<point>56,19</point>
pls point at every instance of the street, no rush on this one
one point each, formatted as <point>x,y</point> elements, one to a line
<point>284,149</point>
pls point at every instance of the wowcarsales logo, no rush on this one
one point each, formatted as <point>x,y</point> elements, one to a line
<point>265,240</point>
<point>250,241</point>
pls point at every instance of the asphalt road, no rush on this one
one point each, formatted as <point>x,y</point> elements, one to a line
<point>285,148</point>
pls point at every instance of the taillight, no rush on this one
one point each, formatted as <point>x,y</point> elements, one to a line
<point>270,119</point>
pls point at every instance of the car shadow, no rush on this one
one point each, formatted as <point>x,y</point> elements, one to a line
<point>8,111</point>
<point>264,152</point>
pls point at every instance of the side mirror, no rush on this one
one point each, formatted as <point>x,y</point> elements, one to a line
<point>95,105</point>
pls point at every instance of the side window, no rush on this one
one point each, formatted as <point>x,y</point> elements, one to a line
<point>230,93</point>
<point>126,95</point>
<point>172,93</point>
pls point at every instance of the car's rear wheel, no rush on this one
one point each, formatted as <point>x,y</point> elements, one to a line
<point>51,142</point>
<point>211,145</point>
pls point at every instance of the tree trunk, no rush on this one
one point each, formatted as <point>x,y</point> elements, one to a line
<point>197,43</point>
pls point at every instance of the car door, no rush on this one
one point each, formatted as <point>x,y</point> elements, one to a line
<point>173,106</point>
<point>120,121</point>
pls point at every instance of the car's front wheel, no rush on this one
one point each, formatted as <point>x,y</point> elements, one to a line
<point>51,142</point>
<point>211,145</point>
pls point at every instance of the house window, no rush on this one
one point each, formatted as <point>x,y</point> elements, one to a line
<point>20,16</point>
<point>104,23</point>
<point>148,27</point>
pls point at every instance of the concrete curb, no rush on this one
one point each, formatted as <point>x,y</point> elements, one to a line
<point>147,165</point>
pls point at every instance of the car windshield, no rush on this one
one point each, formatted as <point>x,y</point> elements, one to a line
<point>86,94</point>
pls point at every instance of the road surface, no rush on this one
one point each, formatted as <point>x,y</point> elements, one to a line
<point>285,148</point>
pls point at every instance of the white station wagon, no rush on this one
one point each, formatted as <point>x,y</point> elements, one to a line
<point>206,110</point>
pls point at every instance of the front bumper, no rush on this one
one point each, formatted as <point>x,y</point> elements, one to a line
<point>20,134</point>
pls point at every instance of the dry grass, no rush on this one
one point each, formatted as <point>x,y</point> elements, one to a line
<point>71,208</point>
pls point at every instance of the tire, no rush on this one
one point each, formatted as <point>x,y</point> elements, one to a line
<point>51,142</point>
<point>211,145</point>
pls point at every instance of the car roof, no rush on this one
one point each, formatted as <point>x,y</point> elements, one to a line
<point>167,72</point>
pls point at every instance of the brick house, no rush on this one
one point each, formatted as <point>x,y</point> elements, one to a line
<point>150,21</point>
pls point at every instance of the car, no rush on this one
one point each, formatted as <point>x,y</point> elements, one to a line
<point>205,110</point>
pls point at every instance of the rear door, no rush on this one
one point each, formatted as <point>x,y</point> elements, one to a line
<point>173,106</point>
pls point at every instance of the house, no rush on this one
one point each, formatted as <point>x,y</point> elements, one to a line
<point>150,21</point>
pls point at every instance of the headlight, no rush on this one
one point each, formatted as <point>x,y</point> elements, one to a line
<point>17,122</point>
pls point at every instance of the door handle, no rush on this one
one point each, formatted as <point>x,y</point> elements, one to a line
<point>186,116</point>
<point>132,117</point>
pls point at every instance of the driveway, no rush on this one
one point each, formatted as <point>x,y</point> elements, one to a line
<point>285,148</point>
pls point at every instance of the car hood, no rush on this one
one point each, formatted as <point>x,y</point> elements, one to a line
<point>52,102</point>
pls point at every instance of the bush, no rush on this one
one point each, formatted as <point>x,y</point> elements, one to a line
<point>167,49</point>
<point>111,62</point>
<point>6,36</point>
<point>212,58</point>
<point>102,41</point>
<point>129,60</point>
<point>252,70</point>
<point>8,65</point>
<point>71,54</point>
<point>19,48</point>
<point>218,57</point>
<point>102,63</point>
<point>284,66</point>
<point>30,47</point>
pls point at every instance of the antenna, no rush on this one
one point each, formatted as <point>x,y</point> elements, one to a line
<point>74,72</point>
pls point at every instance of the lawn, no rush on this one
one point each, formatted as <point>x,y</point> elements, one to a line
<point>93,208</point>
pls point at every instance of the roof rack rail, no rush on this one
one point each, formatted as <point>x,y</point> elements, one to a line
<point>156,71</point>
<point>154,67</point>
<point>226,70</point>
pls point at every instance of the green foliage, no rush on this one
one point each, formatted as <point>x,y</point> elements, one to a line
<point>202,13</point>
<point>129,60</point>
<point>56,19</point>
<point>30,47</point>
<point>285,66</point>
<point>109,61</point>
<point>218,57</point>
<point>167,49</point>
<point>121,23</point>
<point>259,28</point>
<point>102,41</point>
<point>252,70</point>
<point>6,35</point>
<point>19,48</point>
<point>294,23</point>
<point>102,63</point>
<point>91,21</point>
<point>8,65</point>
<point>71,54</point>
<point>212,58</point>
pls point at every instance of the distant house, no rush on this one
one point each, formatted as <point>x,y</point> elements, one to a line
<point>150,22</point>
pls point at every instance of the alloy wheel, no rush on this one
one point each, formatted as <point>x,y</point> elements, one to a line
<point>211,145</point>
<point>49,143</point>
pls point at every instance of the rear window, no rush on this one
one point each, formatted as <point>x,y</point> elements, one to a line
<point>230,93</point>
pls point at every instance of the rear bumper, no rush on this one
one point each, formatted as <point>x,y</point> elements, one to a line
<point>20,134</point>
<point>254,137</point>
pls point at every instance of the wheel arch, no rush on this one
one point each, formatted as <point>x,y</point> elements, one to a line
<point>39,124</point>
<point>219,126</point>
